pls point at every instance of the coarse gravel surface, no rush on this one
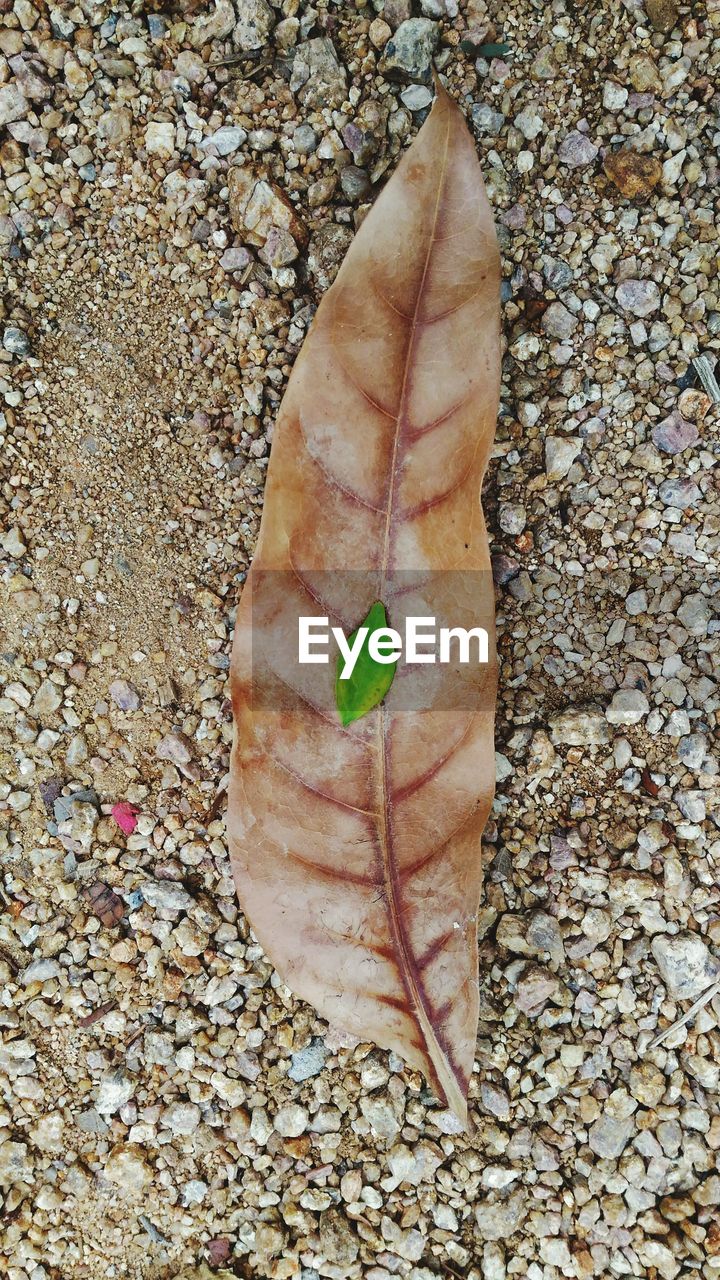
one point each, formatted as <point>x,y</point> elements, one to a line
<point>179,186</point>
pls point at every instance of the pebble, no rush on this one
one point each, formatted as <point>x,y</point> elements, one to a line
<point>47,700</point>
<point>181,1118</point>
<point>486,121</point>
<point>13,103</point>
<point>257,207</point>
<point>613,1129</point>
<point>674,434</point>
<point>529,122</point>
<point>308,1062</point>
<point>558,321</point>
<point>128,1168</point>
<point>124,695</point>
<point>416,97</point>
<point>408,54</point>
<point>164,895</point>
<point>628,706</point>
<point>535,987</point>
<point>499,1219</point>
<point>226,140</point>
<point>685,964</point>
<point>113,1092</point>
<point>639,297</point>
<point>291,1120</point>
<point>680,493</point>
<point>160,138</point>
<point>577,151</point>
<point>663,14</point>
<point>635,174</point>
<point>560,453</point>
<point>16,341</point>
<point>580,728</point>
<point>255,21</point>
<point>318,78</point>
<point>14,544</point>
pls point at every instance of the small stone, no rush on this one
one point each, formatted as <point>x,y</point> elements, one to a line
<point>305,140</point>
<point>495,1100</point>
<point>124,695</point>
<point>226,140</point>
<point>279,249</point>
<point>355,183</point>
<point>160,138</point>
<point>486,121</point>
<point>182,1118</point>
<point>308,1062</point>
<point>512,518</point>
<point>16,1164</point>
<point>381,1117</point>
<point>380,32</point>
<point>691,805</point>
<point>695,613</point>
<point>674,435</point>
<point>113,1092</point>
<point>77,751</point>
<point>214,25</point>
<point>694,404</point>
<point>613,1129</point>
<point>629,706</point>
<point>663,14</point>
<point>685,963</point>
<point>291,1120</point>
<point>327,251</point>
<point>164,895</point>
<point>40,971</point>
<point>13,103</point>
<point>256,206</point>
<point>16,341</point>
<point>643,73</point>
<point>580,728</point>
<point>176,748</point>
<point>115,125</point>
<point>499,1219</point>
<point>318,78</point>
<point>639,297</point>
<point>614,95</point>
<point>128,1168</point>
<point>408,55</point>
<point>647,1083</point>
<point>560,453</point>
<point>558,321</point>
<point>396,12</point>
<point>338,1241</point>
<point>235,260</point>
<point>529,122</point>
<point>577,151</point>
<point>14,543</point>
<point>255,23</point>
<point>672,168</point>
<point>46,701</point>
<point>536,986</point>
<point>681,493</point>
<point>634,174</point>
<point>416,97</point>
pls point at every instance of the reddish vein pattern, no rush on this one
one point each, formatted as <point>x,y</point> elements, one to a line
<point>357,851</point>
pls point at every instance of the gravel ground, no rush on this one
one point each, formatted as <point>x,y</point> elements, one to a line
<point>179,188</point>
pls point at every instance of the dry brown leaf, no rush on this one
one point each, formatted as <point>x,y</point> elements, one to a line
<point>356,851</point>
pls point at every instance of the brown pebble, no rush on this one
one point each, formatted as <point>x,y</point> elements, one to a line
<point>635,175</point>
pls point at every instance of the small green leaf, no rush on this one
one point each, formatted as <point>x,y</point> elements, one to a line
<point>369,681</point>
<point>484,50</point>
